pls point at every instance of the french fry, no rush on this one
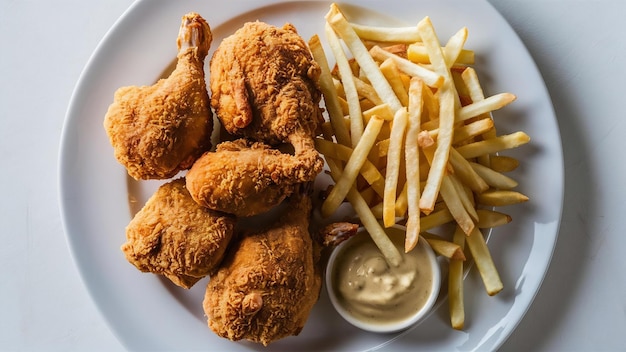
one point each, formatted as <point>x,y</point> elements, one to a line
<point>477,108</point>
<point>351,170</point>
<point>465,196</point>
<point>369,171</point>
<point>493,145</point>
<point>459,84</point>
<point>327,131</point>
<point>392,74</point>
<point>383,147</point>
<point>434,219</point>
<point>366,91</point>
<point>502,163</point>
<point>385,130</point>
<point>462,132</point>
<point>440,160</point>
<point>366,104</point>
<point>455,284</point>
<point>376,232</point>
<point>482,258</point>
<point>417,53</point>
<point>402,202</point>
<point>431,106</point>
<point>386,34</point>
<point>339,87</point>
<point>339,23</point>
<point>465,172</point>
<point>369,195</point>
<point>344,107</point>
<point>433,48</point>
<point>493,178</point>
<point>416,89</point>
<point>470,78</point>
<point>454,46</point>
<point>432,79</point>
<point>329,92</point>
<point>349,86</point>
<point>443,247</point>
<point>382,110</point>
<point>500,198</point>
<point>455,205</point>
<point>454,198</point>
<point>471,130</point>
<point>330,129</point>
<point>447,101</point>
<point>393,167</point>
<point>484,106</point>
<point>377,210</point>
<point>491,218</point>
<point>475,91</point>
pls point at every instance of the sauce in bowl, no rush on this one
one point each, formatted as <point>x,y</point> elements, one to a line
<point>376,296</point>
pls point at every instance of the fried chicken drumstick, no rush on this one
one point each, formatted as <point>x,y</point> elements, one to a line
<point>174,236</point>
<point>247,178</point>
<point>270,280</point>
<point>158,130</point>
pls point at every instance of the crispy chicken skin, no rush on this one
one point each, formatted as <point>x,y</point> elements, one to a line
<point>248,178</point>
<point>270,280</point>
<point>158,130</point>
<point>264,84</point>
<point>174,236</point>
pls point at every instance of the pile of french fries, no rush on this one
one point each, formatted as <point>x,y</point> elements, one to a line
<point>410,139</point>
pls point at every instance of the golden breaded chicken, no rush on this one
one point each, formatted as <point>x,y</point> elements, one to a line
<point>174,236</point>
<point>269,281</point>
<point>264,84</point>
<point>158,130</point>
<point>245,178</point>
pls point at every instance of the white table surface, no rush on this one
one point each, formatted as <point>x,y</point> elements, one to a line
<point>578,45</point>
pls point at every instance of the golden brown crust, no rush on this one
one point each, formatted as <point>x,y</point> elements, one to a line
<point>264,84</point>
<point>158,130</point>
<point>245,178</point>
<point>174,236</point>
<point>268,283</point>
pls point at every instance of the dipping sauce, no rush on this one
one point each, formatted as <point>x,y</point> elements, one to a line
<point>373,291</point>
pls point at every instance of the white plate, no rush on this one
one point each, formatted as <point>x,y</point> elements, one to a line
<point>148,313</point>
